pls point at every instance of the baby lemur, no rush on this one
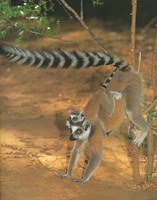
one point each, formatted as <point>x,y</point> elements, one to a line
<point>104,112</point>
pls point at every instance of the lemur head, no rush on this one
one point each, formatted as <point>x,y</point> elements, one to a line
<point>79,127</point>
<point>80,131</point>
<point>76,117</point>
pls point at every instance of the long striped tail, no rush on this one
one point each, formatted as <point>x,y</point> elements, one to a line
<point>60,59</point>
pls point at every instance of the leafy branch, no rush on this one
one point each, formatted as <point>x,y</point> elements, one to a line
<point>26,20</point>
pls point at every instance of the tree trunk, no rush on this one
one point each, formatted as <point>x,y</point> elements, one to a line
<point>135,162</point>
<point>150,150</point>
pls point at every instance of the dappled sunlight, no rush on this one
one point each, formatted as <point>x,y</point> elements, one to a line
<point>53,162</point>
<point>9,137</point>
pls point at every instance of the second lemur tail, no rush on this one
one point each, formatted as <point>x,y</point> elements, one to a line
<point>124,67</point>
<point>60,59</point>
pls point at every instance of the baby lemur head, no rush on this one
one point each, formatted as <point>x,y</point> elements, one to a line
<point>76,117</point>
<point>79,127</point>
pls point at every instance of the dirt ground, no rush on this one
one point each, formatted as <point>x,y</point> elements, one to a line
<point>34,139</point>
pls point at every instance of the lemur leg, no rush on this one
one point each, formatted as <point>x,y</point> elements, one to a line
<point>74,158</point>
<point>107,102</point>
<point>137,118</point>
<point>91,167</point>
<point>101,127</point>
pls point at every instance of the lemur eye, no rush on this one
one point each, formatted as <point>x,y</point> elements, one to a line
<point>79,131</point>
<point>75,118</point>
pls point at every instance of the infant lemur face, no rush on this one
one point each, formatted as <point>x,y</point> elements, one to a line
<point>76,117</point>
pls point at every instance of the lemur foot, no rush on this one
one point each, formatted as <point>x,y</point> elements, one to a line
<point>140,138</point>
<point>63,175</point>
<point>79,180</point>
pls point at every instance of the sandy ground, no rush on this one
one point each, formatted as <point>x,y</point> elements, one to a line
<point>34,140</point>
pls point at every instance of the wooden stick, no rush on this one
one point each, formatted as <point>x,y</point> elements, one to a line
<point>134,150</point>
<point>135,162</point>
<point>150,158</point>
<point>150,23</point>
<point>154,103</point>
<point>150,141</point>
<point>133,33</point>
<point>81,9</point>
<point>154,67</point>
<point>139,62</point>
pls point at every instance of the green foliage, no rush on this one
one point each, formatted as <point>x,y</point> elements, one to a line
<point>27,20</point>
<point>97,2</point>
<point>149,176</point>
<point>151,116</point>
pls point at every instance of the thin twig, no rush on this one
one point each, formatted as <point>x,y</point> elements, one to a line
<point>81,10</point>
<point>133,33</point>
<point>150,141</point>
<point>139,62</point>
<point>154,133</point>
<point>84,25</point>
<point>154,66</point>
<point>151,106</point>
<point>150,23</point>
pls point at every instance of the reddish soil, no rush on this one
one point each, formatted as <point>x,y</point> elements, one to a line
<point>34,140</point>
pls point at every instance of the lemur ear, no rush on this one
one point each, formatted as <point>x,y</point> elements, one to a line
<point>82,113</point>
<point>70,112</point>
<point>86,125</point>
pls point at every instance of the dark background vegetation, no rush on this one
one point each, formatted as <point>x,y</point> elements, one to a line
<point>111,10</point>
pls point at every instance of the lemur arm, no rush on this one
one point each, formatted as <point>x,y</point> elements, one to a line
<point>107,102</point>
<point>101,127</point>
<point>91,167</point>
<point>74,158</point>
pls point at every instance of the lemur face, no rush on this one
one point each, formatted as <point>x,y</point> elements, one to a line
<point>76,117</point>
<point>80,132</point>
<point>79,127</point>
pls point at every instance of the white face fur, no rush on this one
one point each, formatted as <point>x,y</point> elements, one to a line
<point>77,117</point>
<point>80,132</point>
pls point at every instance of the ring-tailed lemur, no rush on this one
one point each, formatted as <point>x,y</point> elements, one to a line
<point>103,113</point>
<point>87,127</point>
<point>129,83</point>
<point>60,59</point>
<point>64,59</point>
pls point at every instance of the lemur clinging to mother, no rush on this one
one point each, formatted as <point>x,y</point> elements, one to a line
<point>105,110</point>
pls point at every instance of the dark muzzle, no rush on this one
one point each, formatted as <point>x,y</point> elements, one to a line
<point>72,138</point>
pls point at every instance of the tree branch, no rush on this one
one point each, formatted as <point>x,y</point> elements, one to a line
<point>84,25</point>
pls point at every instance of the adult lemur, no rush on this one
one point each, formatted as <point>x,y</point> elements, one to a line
<point>104,112</point>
